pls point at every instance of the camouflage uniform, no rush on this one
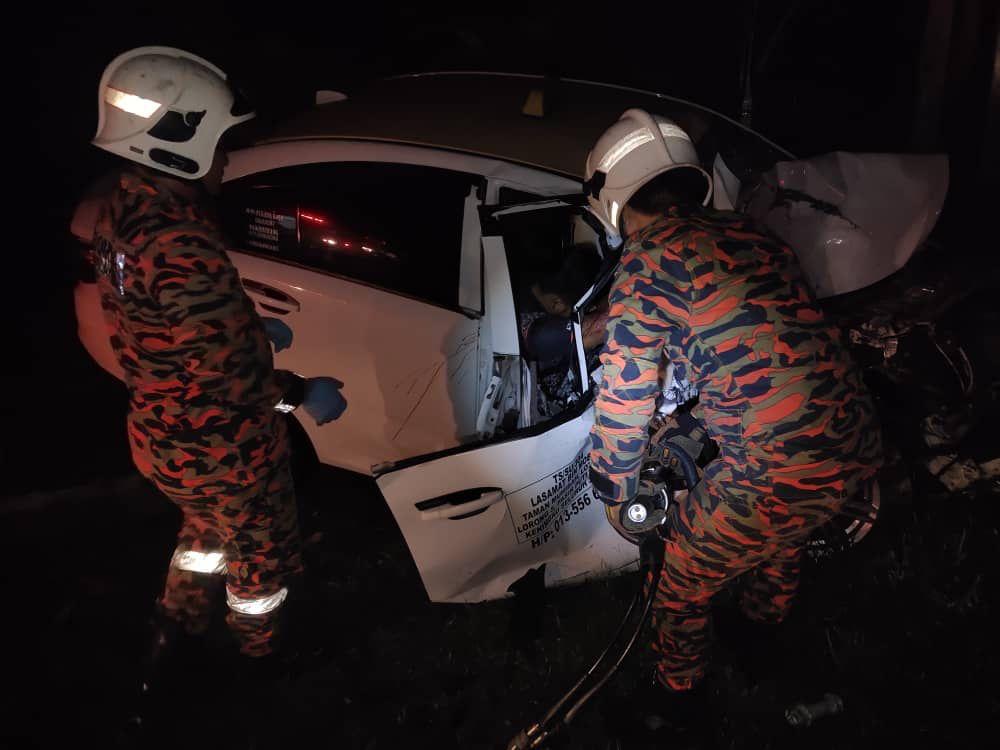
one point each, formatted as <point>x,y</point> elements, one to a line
<point>202,392</point>
<point>777,391</point>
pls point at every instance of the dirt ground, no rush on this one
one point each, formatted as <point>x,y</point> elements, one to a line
<point>902,628</point>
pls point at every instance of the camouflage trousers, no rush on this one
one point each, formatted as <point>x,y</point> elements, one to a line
<point>252,538</point>
<point>715,537</point>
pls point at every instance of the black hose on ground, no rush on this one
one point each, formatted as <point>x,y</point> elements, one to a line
<point>650,560</point>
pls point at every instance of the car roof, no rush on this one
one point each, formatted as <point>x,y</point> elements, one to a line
<point>482,113</point>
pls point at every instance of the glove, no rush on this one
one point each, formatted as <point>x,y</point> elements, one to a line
<point>278,332</point>
<point>604,488</point>
<point>323,400</point>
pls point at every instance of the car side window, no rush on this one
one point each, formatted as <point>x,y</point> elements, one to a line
<point>393,226</point>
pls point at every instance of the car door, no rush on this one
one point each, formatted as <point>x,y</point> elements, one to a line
<point>371,287</point>
<point>479,517</point>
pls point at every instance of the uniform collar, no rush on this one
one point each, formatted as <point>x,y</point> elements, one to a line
<point>174,189</point>
<point>673,215</point>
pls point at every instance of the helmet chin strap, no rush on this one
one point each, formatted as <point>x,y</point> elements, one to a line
<point>595,184</point>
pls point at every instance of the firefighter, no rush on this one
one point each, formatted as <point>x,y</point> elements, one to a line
<point>797,434</point>
<point>206,415</point>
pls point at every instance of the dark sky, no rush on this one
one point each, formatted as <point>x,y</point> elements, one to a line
<point>834,55</point>
<point>828,74</point>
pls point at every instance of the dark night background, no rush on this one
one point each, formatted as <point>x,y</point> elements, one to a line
<point>858,75</point>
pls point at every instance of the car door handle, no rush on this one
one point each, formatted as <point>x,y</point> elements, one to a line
<point>458,505</point>
<point>271,299</point>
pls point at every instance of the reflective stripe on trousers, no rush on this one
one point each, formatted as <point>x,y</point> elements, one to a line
<point>256,605</point>
<point>214,563</point>
<point>211,563</point>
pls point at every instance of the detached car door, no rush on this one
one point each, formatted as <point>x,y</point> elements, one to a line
<point>479,517</point>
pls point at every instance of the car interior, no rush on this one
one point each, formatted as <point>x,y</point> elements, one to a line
<point>554,256</point>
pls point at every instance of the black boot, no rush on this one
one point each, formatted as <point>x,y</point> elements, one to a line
<point>166,642</point>
<point>756,649</point>
<point>303,643</point>
<point>300,647</point>
<point>263,705</point>
<point>655,715</point>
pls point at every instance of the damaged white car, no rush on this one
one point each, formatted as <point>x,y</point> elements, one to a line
<point>395,231</point>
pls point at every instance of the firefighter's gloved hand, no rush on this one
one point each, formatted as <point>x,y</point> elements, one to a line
<point>606,490</point>
<point>278,332</point>
<point>323,400</point>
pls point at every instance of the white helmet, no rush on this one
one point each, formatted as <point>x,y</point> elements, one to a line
<point>629,154</point>
<point>165,108</point>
